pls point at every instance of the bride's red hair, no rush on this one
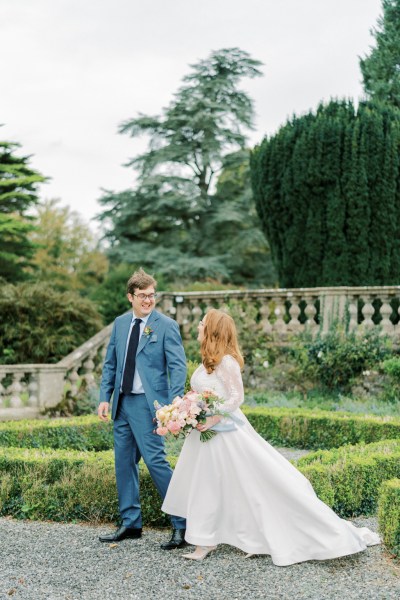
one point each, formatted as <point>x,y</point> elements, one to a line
<point>220,338</point>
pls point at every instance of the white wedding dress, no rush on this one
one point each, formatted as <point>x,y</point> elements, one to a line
<point>237,489</point>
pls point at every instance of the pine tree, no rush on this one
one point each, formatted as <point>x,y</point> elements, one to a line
<point>18,193</point>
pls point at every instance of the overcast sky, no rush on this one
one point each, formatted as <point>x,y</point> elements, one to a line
<point>72,70</point>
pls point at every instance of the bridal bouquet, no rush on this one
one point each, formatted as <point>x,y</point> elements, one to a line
<point>182,416</point>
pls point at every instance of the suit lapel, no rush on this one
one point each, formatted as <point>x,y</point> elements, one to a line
<point>145,338</point>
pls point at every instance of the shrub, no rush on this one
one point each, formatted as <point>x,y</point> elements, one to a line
<point>348,479</point>
<point>335,359</point>
<point>76,433</point>
<point>304,428</point>
<point>389,515</point>
<point>67,485</point>
<point>301,428</point>
<point>41,325</point>
<point>391,367</point>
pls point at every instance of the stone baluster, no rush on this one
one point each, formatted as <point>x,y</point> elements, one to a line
<point>88,370</point>
<point>197,313</point>
<point>103,352</point>
<point>386,311</point>
<point>264,314</point>
<point>279,326</point>
<point>368,312</point>
<point>352,309</point>
<point>294,312</point>
<point>15,389</point>
<point>179,300</point>
<point>33,390</point>
<point>310,311</point>
<point>185,320</point>
<point>73,378</point>
<point>167,306</point>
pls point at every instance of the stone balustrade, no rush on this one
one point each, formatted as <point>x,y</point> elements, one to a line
<point>28,390</point>
<point>286,312</point>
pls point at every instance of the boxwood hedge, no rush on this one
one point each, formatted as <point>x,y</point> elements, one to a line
<point>389,515</point>
<point>299,428</point>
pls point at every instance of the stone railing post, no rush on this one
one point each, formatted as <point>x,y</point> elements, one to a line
<point>51,381</point>
<point>333,303</point>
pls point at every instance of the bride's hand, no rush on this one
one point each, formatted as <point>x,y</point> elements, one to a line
<point>209,422</point>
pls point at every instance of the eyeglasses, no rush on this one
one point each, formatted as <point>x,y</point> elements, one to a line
<point>145,296</point>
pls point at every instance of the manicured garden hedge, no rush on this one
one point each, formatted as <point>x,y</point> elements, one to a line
<point>299,428</point>
<point>305,428</point>
<point>348,479</point>
<point>389,515</point>
<point>67,485</point>
<point>63,469</point>
<point>76,433</point>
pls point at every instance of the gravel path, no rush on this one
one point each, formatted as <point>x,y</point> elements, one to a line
<point>53,561</point>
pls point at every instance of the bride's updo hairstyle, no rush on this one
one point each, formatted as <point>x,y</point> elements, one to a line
<point>220,338</point>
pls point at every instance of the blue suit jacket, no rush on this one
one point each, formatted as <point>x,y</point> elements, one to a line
<point>160,361</point>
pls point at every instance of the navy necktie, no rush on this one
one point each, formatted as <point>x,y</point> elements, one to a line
<point>129,371</point>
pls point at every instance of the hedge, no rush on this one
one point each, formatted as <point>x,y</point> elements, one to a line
<point>306,428</point>
<point>348,479</point>
<point>389,515</point>
<point>300,428</point>
<point>69,485</point>
<point>76,433</point>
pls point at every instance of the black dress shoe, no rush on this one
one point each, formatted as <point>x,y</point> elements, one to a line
<point>121,534</point>
<point>177,540</point>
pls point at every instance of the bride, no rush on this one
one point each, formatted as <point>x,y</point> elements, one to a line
<point>236,488</point>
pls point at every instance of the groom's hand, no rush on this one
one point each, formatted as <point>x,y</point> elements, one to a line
<point>102,411</point>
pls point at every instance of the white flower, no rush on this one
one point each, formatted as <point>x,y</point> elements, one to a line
<point>320,354</point>
<point>265,364</point>
<point>366,373</point>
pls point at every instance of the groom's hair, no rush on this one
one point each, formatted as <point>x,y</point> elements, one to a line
<point>140,280</point>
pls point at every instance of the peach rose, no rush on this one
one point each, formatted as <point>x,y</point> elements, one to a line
<point>162,430</point>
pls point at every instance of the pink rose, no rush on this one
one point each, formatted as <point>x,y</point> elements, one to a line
<point>173,427</point>
<point>162,430</point>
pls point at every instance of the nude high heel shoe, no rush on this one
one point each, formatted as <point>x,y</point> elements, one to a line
<point>200,552</point>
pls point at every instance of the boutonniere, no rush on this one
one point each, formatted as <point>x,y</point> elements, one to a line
<point>147,331</point>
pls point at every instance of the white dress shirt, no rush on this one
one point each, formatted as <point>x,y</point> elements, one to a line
<point>137,387</point>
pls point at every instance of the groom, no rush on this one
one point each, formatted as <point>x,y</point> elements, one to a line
<point>145,361</point>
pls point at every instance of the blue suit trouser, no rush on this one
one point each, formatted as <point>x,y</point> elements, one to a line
<point>134,439</point>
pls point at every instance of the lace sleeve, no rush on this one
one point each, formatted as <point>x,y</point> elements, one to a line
<point>228,372</point>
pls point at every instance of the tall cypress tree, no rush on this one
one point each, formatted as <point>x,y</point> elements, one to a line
<point>326,188</point>
<point>381,69</point>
